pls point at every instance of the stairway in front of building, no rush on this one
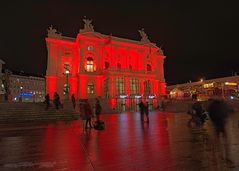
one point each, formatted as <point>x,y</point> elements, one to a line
<point>20,112</point>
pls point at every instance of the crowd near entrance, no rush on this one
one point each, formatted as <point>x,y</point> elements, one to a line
<point>132,103</point>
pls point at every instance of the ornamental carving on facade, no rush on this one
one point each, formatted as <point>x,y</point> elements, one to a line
<point>51,32</point>
<point>144,36</point>
<point>88,27</point>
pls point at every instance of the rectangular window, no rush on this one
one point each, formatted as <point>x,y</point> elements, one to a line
<point>147,87</point>
<point>90,88</point>
<point>106,88</point>
<point>134,86</point>
<point>90,66</point>
<point>119,86</point>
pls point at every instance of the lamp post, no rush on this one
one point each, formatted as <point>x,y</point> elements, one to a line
<point>67,87</point>
<point>20,97</point>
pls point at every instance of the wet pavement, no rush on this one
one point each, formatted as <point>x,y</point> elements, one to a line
<point>165,143</point>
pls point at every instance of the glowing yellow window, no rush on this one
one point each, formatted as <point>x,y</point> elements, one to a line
<point>90,65</point>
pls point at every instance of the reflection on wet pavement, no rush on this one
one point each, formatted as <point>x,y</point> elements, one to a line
<point>165,143</point>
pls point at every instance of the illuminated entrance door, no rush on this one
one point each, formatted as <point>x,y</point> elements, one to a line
<point>151,106</point>
<point>134,104</point>
<point>121,105</point>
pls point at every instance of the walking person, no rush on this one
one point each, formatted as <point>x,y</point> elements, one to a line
<point>56,100</point>
<point>73,100</point>
<point>141,109</point>
<point>98,109</point>
<point>88,114</point>
<point>219,112</point>
<point>163,104</point>
<point>147,111</point>
<point>47,101</point>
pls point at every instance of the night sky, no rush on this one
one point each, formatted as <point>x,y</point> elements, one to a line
<point>199,38</point>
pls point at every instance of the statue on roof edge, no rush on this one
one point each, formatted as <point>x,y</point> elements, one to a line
<point>51,32</point>
<point>87,26</point>
<point>144,36</point>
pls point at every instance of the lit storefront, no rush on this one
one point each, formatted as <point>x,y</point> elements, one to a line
<point>120,71</point>
<point>226,87</point>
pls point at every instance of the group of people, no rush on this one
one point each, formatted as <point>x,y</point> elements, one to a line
<point>215,109</point>
<point>144,110</point>
<point>56,101</point>
<point>87,112</point>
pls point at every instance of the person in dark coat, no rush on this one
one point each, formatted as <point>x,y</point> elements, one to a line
<point>141,109</point>
<point>218,112</point>
<point>47,101</point>
<point>98,109</point>
<point>88,114</point>
<point>147,111</point>
<point>56,100</point>
<point>73,100</point>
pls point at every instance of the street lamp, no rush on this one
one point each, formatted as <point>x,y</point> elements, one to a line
<point>66,86</point>
<point>20,97</point>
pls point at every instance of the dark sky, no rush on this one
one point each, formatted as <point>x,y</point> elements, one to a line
<point>200,38</point>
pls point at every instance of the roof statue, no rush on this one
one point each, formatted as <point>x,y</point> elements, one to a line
<point>88,27</point>
<point>51,32</point>
<point>144,36</point>
<point>160,52</point>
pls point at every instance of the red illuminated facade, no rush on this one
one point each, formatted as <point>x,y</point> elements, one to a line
<point>120,71</point>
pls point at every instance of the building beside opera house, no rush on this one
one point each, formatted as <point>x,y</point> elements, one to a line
<point>26,88</point>
<point>224,87</point>
<point>118,70</point>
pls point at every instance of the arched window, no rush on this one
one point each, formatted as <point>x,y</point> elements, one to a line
<point>118,65</point>
<point>107,65</point>
<point>149,68</point>
<point>90,64</point>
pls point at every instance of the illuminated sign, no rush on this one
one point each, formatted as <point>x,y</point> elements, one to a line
<point>26,94</point>
<point>230,83</point>
<point>208,85</point>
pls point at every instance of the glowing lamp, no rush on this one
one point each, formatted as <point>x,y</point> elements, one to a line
<point>67,72</point>
<point>152,96</point>
<point>230,83</point>
<point>123,96</point>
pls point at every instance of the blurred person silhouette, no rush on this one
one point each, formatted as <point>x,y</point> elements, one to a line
<point>146,110</point>
<point>98,109</point>
<point>56,100</point>
<point>141,109</point>
<point>47,101</point>
<point>88,114</point>
<point>73,100</point>
<point>218,111</point>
